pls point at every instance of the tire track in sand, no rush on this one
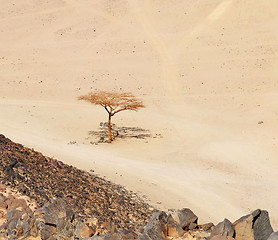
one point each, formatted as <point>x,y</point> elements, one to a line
<point>171,50</point>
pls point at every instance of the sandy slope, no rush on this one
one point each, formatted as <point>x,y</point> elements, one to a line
<point>207,71</point>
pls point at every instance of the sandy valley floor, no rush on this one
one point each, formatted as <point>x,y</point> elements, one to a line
<point>206,70</point>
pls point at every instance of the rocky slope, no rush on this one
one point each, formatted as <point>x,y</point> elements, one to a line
<point>43,179</point>
<point>42,198</point>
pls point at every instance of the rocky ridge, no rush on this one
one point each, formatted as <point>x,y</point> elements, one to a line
<point>36,202</point>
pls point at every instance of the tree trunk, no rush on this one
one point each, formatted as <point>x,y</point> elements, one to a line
<point>109,128</point>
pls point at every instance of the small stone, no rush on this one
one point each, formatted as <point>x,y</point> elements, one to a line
<point>205,227</point>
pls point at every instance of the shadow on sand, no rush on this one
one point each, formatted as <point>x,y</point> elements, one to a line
<point>120,132</point>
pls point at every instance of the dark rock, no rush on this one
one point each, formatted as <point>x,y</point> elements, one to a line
<point>273,236</point>
<point>262,227</point>
<point>156,227</point>
<point>185,217</point>
<point>225,228</point>
<point>56,209</point>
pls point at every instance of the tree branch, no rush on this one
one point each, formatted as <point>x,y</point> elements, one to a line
<point>107,109</point>
<point>122,109</point>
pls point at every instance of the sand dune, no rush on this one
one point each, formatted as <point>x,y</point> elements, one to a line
<point>207,71</point>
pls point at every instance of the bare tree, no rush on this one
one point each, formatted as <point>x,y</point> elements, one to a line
<point>113,103</point>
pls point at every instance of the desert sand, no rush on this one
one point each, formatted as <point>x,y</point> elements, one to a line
<point>206,70</point>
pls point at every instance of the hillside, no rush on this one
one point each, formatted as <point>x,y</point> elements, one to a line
<point>44,179</point>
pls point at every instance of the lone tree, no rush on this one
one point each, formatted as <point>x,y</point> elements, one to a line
<point>113,103</point>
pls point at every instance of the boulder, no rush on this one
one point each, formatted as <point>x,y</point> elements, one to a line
<point>262,227</point>
<point>244,228</point>
<point>255,226</point>
<point>225,228</point>
<point>184,217</point>
<point>157,226</point>
<point>56,209</point>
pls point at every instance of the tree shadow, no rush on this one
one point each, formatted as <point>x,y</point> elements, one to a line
<point>120,132</point>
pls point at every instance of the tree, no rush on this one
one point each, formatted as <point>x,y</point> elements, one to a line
<point>113,103</point>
